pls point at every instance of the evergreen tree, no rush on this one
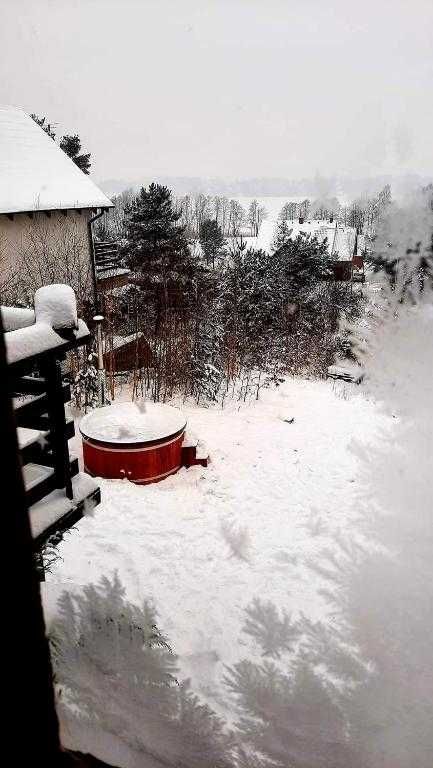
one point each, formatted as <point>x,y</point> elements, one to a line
<point>304,262</point>
<point>71,145</point>
<point>85,386</point>
<point>211,240</point>
<point>281,235</point>
<point>156,244</point>
<point>205,367</point>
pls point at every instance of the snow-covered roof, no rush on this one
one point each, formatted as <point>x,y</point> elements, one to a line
<point>341,240</point>
<point>103,274</point>
<point>121,341</point>
<point>35,174</point>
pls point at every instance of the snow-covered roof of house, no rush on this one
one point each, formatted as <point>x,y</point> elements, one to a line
<point>341,240</point>
<point>35,174</point>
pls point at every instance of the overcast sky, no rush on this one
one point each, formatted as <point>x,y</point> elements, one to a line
<point>233,88</point>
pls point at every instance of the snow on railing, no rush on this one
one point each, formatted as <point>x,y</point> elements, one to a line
<point>29,332</point>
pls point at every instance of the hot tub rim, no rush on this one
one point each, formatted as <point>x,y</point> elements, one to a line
<point>134,443</point>
<point>135,446</point>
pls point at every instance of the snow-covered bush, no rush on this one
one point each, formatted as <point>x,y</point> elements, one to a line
<point>85,389</point>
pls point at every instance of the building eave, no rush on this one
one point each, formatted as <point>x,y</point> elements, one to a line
<point>56,209</point>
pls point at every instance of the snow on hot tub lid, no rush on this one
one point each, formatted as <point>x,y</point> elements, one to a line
<point>128,423</point>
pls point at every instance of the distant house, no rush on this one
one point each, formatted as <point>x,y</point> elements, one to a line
<point>341,243</point>
<point>344,245</point>
<point>47,206</point>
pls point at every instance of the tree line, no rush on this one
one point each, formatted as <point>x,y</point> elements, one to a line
<point>224,319</point>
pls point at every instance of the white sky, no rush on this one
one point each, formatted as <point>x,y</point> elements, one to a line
<point>235,88</point>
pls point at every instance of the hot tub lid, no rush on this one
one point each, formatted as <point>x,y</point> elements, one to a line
<point>130,423</point>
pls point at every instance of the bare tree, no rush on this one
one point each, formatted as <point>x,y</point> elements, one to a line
<point>55,252</point>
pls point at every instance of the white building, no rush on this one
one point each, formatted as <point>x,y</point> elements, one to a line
<point>47,205</point>
<point>340,239</point>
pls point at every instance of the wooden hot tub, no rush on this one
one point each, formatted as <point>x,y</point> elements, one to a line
<point>142,443</point>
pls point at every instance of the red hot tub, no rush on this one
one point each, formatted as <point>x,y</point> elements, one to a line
<point>142,443</point>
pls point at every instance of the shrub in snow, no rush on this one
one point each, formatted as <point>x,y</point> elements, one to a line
<point>85,389</point>
<point>281,235</point>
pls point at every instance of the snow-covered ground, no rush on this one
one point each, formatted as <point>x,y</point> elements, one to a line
<point>205,542</point>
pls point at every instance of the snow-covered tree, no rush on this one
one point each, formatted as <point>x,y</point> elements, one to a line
<point>236,215</point>
<point>281,235</point>
<point>325,208</point>
<point>289,211</point>
<point>211,240</point>
<point>85,388</point>
<point>256,214</point>
<point>71,144</point>
<point>304,208</point>
<point>156,244</point>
